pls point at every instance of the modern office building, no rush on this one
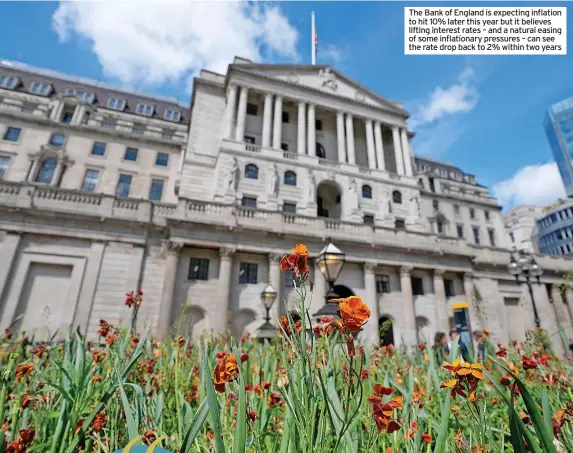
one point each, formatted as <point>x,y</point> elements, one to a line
<point>266,156</point>
<point>559,129</point>
<point>554,232</point>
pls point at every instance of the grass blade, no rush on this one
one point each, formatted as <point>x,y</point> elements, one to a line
<point>196,425</point>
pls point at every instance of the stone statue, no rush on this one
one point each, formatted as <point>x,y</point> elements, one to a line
<point>330,79</point>
<point>355,200</point>
<point>233,178</point>
<point>274,181</point>
<point>415,207</point>
<point>311,188</point>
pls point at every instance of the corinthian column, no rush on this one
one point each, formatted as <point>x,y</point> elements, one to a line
<point>267,119</point>
<point>221,324</point>
<point>350,139</point>
<point>311,125</point>
<point>371,337</point>
<point>340,137</point>
<point>443,323</point>
<point>242,115</point>
<point>397,150</point>
<point>278,122</point>
<point>379,144</point>
<point>301,129</point>
<point>406,152</point>
<point>169,279</point>
<point>276,282</point>
<point>469,291</point>
<point>370,144</point>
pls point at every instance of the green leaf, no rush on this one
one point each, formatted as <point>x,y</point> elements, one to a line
<point>516,437</point>
<point>132,425</point>
<point>196,425</point>
<point>214,409</point>
<point>444,427</point>
<point>547,411</point>
<point>241,422</point>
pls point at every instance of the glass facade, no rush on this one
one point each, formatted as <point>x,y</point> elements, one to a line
<point>555,231</point>
<point>559,129</point>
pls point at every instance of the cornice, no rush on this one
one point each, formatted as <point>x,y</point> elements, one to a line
<point>302,93</point>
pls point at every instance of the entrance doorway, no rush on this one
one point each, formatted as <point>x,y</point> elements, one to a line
<point>328,200</point>
<point>386,331</point>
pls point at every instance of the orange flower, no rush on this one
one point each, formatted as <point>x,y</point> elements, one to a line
<point>353,312</point>
<point>383,412</point>
<point>427,438</point>
<point>296,262</point>
<point>528,363</point>
<point>227,370</point>
<point>465,378</point>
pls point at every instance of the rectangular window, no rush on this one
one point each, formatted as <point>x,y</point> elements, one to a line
<point>249,202</point>
<point>8,82</point>
<point>368,219</point>
<point>476,235</point>
<point>90,180</point>
<point>162,159</point>
<point>130,154</point>
<point>138,129</point>
<point>198,269</point>
<point>285,117</point>
<point>167,135</point>
<point>382,284</point>
<point>417,286</point>
<point>491,234</point>
<point>172,115</point>
<point>57,140</point>
<point>248,273</point>
<point>115,104</point>
<point>472,213</point>
<point>98,149</point>
<point>156,189</point>
<point>40,88</point>
<point>289,207</point>
<point>439,227</point>
<point>123,186</point>
<point>4,161</point>
<point>67,116</point>
<point>400,224</point>
<point>460,231</point>
<point>486,214</point>
<point>449,287</point>
<point>318,125</point>
<point>457,210</point>
<point>435,205</point>
<point>108,125</point>
<point>252,109</point>
<point>28,108</point>
<point>145,109</point>
<point>250,140</point>
<point>12,134</point>
<point>284,146</point>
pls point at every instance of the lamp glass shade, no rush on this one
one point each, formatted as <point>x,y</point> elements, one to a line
<point>535,270</point>
<point>268,296</point>
<point>523,262</point>
<point>513,267</point>
<point>330,262</point>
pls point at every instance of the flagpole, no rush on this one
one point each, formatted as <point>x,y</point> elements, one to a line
<point>313,38</point>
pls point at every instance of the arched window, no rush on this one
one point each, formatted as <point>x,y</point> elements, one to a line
<point>320,151</point>
<point>290,178</point>
<point>366,191</point>
<point>397,197</point>
<point>46,171</point>
<point>57,140</point>
<point>252,171</point>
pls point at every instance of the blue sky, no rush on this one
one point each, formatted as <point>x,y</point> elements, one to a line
<point>492,125</point>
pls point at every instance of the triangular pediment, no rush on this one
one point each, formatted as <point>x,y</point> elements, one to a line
<point>324,78</point>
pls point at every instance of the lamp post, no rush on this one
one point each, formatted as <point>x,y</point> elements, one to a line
<point>268,297</point>
<point>330,263</point>
<point>526,265</point>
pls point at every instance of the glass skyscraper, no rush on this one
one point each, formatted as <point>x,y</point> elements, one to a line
<point>559,129</point>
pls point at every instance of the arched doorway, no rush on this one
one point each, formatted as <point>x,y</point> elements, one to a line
<point>386,331</point>
<point>343,291</point>
<point>328,200</point>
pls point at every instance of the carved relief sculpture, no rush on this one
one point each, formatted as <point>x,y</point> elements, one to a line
<point>354,196</point>
<point>330,79</point>
<point>415,207</point>
<point>311,188</point>
<point>274,181</point>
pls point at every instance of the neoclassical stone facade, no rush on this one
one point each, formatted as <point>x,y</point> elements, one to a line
<point>272,155</point>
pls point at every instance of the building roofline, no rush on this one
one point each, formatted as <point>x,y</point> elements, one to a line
<point>9,64</point>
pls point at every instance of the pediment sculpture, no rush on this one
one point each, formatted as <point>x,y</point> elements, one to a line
<point>330,79</point>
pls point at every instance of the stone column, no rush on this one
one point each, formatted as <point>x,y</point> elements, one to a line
<point>267,120</point>
<point>567,296</point>
<point>242,115</point>
<point>350,139</point>
<point>278,122</point>
<point>340,137</point>
<point>406,153</point>
<point>34,170</point>
<point>221,324</point>
<point>276,281</point>
<point>370,144</point>
<point>311,125</point>
<point>319,290</point>
<point>230,111</point>
<point>397,150</point>
<point>8,254</point>
<point>560,306</point>
<point>301,130</point>
<point>443,323</point>
<point>469,291</point>
<point>410,329</point>
<point>379,144</point>
<point>370,332</point>
<point>57,173</point>
<point>173,250</point>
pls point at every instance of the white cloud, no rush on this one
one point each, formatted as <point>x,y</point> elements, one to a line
<point>156,42</point>
<point>534,184</point>
<point>461,97</point>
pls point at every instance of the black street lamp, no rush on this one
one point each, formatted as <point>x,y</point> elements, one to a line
<point>330,262</point>
<point>268,297</point>
<point>526,265</point>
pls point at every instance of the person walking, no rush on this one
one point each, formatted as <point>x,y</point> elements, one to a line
<point>484,346</point>
<point>440,347</point>
<point>464,352</point>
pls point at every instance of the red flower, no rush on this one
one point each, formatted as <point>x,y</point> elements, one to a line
<point>350,347</point>
<point>227,370</point>
<point>296,262</point>
<point>427,438</point>
<point>528,363</point>
<point>422,346</point>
